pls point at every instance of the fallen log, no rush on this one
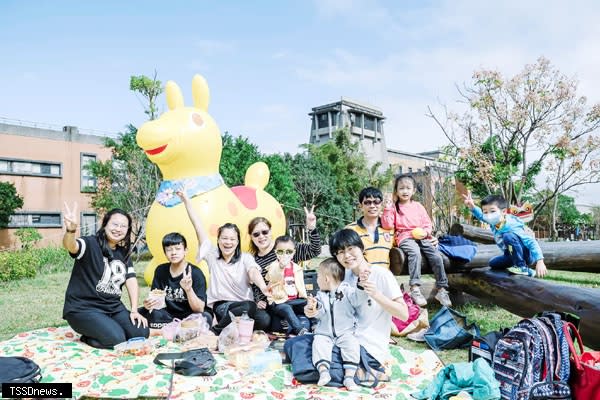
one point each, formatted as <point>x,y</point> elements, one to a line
<point>476,234</point>
<point>527,296</point>
<point>581,256</point>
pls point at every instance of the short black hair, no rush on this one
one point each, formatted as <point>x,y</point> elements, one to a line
<point>284,239</point>
<point>344,238</point>
<point>370,192</point>
<point>333,268</point>
<point>173,238</point>
<point>495,199</point>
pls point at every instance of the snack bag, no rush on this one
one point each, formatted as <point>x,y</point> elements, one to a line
<point>229,336</point>
<point>158,294</point>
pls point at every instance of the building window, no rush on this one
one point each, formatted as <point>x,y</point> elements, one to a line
<point>400,169</point>
<point>88,224</point>
<point>88,181</point>
<point>380,125</point>
<point>358,120</point>
<point>35,220</point>
<point>334,121</point>
<point>369,123</point>
<point>323,121</point>
<point>410,170</point>
<point>10,166</point>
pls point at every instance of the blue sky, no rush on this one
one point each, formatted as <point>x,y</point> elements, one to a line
<point>268,62</point>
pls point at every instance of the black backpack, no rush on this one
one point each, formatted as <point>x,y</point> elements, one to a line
<point>483,346</point>
<point>19,370</point>
<point>196,362</point>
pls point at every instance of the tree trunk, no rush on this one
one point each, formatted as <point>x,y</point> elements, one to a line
<point>554,209</point>
<point>583,256</point>
<point>479,235</point>
<point>527,296</point>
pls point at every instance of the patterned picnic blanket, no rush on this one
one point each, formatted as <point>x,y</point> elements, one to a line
<point>101,373</point>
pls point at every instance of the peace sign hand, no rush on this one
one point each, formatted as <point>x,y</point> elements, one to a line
<point>469,200</point>
<point>186,281</point>
<point>388,201</point>
<point>311,218</point>
<point>70,217</point>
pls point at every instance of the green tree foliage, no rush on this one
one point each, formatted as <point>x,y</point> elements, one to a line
<point>10,201</point>
<point>316,184</point>
<point>239,154</point>
<point>28,237</point>
<point>565,217</point>
<point>348,164</point>
<point>149,89</point>
<point>281,183</point>
<point>128,180</point>
<point>516,127</point>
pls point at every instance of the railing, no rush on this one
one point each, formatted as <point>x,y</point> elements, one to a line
<point>54,127</point>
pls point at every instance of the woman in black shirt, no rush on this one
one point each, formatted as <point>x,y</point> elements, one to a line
<point>102,266</point>
<point>262,247</point>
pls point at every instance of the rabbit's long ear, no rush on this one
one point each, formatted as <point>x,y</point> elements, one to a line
<point>174,96</point>
<point>200,93</point>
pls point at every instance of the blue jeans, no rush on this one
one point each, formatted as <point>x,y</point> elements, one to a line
<point>290,311</point>
<point>515,254</point>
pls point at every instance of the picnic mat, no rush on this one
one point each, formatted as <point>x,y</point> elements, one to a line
<point>101,373</point>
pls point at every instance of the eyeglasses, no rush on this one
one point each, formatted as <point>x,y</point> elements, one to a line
<point>258,233</point>
<point>371,202</point>
<point>281,252</point>
<point>114,225</point>
<point>347,250</point>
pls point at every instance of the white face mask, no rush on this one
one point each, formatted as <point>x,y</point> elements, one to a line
<point>285,259</point>
<point>493,218</point>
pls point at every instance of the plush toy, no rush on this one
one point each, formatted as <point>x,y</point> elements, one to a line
<point>524,211</point>
<point>185,143</point>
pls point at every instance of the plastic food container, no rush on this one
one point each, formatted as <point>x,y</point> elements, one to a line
<point>138,346</point>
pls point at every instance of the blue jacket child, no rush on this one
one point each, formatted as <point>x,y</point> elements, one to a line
<point>518,245</point>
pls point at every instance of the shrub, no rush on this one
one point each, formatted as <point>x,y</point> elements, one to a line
<point>28,237</point>
<point>52,259</point>
<point>27,263</point>
<point>17,265</point>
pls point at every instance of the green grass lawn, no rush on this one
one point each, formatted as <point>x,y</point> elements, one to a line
<point>35,303</point>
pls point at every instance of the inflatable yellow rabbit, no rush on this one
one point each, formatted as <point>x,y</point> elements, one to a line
<point>185,143</point>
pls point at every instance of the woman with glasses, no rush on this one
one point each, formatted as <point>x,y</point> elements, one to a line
<point>231,271</point>
<point>93,306</point>
<point>262,247</point>
<point>373,317</point>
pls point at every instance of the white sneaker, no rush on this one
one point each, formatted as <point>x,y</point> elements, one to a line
<point>417,296</point>
<point>442,297</point>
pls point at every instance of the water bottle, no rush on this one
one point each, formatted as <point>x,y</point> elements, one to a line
<point>245,328</point>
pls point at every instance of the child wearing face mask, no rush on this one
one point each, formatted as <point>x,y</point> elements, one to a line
<point>286,281</point>
<point>512,237</point>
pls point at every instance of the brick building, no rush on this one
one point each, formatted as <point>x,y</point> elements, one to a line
<point>46,165</point>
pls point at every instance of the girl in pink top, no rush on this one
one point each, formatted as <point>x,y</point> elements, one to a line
<point>413,229</point>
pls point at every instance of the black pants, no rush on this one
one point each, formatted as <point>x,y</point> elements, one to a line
<point>104,330</point>
<point>289,311</point>
<point>159,318</point>
<point>237,308</point>
<point>262,320</point>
